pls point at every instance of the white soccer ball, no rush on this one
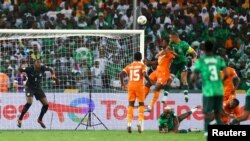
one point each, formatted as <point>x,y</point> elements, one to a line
<point>142,20</point>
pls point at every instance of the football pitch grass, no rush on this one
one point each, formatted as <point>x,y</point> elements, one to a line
<point>95,135</point>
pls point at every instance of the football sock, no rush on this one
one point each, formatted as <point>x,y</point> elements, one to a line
<point>185,87</point>
<point>166,89</point>
<point>25,109</point>
<point>130,114</point>
<point>206,122</point>
<point>141,114</point>
<point>155,98</point>
<point>43,111</point>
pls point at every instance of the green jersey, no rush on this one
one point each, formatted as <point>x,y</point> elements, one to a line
<point>210,67</point>
<point>167,121</point>
<point>181,50</point>
<point>248,92</point>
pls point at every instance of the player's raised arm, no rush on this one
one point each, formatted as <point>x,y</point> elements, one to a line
<point>53,75</point>
<point>122,75</point>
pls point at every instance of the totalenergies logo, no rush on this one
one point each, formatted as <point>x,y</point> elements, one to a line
<point>77,106</point>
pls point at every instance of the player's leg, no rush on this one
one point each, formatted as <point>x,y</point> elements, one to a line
<point>184,74</point>
<point>208,112</point>
<point>140,97</point>
<point>29,99</point>
<point>131,100</point>
<point>166,90</point>
<point>44,109</point>
<point>245,114</point>
<point>156,95</point>
<point>218,107</point>
<point>26,107</point>
<point>40,95</point>
<point>187,114</point>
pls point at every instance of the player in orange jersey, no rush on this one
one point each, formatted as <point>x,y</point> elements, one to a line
<point>230,84</point>
<point>230,110</point>
<point>161,75</point>
<point>135,72</point>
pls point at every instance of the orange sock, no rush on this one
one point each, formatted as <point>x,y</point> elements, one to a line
<point>146,91</point>
<point>141,114</point>
<point>155,98</point>
<point>130,115</point>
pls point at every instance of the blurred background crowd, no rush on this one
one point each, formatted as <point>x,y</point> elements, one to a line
<point>225,22</point>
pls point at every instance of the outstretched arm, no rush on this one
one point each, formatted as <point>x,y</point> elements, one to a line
<point>122,75</point>
<point>177,124</point>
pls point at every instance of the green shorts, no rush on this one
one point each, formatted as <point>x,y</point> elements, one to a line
<point>212,104</point>
<point>247,104</point>
<point>178,68</point>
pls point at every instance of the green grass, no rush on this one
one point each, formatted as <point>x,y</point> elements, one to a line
<point>91,135</point>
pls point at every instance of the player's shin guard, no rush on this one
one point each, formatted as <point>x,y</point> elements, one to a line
<point>25,109</point>
<point>130,115</point>
<point>43,111</point>
<point>155,98</point>
<point>141,114</point>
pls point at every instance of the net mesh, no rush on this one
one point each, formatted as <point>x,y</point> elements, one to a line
<point>84,63</point>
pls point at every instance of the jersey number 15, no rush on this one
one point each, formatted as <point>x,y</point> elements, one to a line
<point>134,75</point>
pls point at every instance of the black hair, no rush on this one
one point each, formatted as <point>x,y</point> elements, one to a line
<point>236,101</point>
<point>137,56</point>
<point>209,47</point>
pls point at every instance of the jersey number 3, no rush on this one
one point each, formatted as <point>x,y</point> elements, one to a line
<point>134,75</point>
<point>214,74</point>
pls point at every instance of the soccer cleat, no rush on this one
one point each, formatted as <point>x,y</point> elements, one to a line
<point>139,127</point>
<point>41,123</point>
<point>129,129</point>
<point>19,123</point>
<point>164,99</point>
<point>148,109</point>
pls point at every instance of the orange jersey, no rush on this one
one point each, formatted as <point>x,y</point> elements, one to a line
<point>135,72</point>
<point>164,62</point>
<point>233,112</point>
<point>228,83</point>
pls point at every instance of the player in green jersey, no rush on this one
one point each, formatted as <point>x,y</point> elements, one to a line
<point>168,121</point>
<point>209,66</point>
<point>179,65</point>
<point>246,112</point>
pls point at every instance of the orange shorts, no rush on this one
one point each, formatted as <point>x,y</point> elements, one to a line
<point>136,92</point>
<point>159,77</point>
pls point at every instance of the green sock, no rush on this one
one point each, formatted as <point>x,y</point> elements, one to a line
<point>166,89</point>
<point>185,87</point>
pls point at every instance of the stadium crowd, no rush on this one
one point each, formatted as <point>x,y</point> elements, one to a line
<point>225,22</point>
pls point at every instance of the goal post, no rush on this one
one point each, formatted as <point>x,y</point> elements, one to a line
<point>80,58</point>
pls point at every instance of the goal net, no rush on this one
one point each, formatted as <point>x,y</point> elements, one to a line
<point>86,62</point>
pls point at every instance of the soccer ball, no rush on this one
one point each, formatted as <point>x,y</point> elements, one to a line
<point>141,20</point>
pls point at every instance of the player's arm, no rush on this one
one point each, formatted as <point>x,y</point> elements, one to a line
<point>148,62</point>
<point>147,78</point>
<point>236,82</point>
<point>177,124</point>
<point>53,74</point>
<point>193,53</point>
<point>122,75</point>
